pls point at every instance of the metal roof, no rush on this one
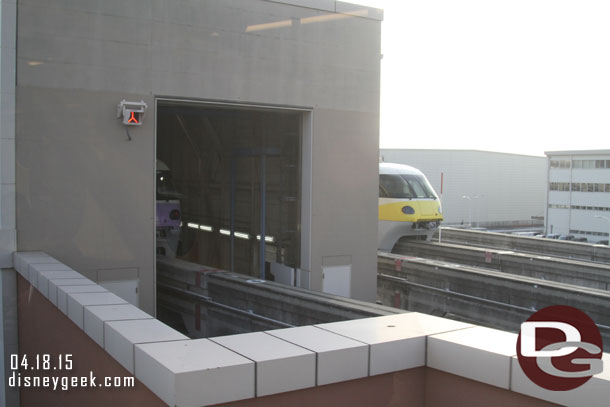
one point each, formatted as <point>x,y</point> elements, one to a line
<point>578,152</point>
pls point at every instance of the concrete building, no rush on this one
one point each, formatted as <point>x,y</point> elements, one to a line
<point>578,194</point>
<point>485,188</point>
<point>251,106</point>
<point>220,79</point>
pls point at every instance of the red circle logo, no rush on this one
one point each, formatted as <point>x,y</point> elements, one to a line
<point>560,348</point>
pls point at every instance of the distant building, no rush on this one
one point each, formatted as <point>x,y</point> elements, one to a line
<point>578,191</point>
<point>485,188</point>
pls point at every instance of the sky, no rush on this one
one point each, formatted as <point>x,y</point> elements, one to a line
<point>515,76</point>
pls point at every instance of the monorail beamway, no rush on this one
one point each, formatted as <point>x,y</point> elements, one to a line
<point>204,302</point>
<point>494,286</point>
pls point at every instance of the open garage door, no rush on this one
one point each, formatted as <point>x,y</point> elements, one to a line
<point>229,186</point>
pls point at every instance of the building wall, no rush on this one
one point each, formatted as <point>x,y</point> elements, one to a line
<point>8,236</point>
<point>45,330</point>
<point>85,194</point>
<point>509,187</point>
<point>570,209</point>
<point>407,388</point>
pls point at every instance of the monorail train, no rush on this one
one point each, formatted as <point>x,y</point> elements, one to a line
<point>408,205</point>
<point>168,214</point>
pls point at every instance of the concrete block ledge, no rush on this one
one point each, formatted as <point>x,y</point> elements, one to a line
<point>280,365</point>
<point>200,372</point>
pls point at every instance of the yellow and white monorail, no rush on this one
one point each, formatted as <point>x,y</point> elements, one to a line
<point>408,205</point>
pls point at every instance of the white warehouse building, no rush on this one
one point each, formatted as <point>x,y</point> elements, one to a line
<point>578,194</point>
<point>483,188</point>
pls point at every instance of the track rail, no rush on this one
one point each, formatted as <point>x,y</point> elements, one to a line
<point>211,303</point>
<point>482,296</point>
<point>570,271</point>
<point>548,247</point>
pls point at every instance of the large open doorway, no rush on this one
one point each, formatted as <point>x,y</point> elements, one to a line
<point>229,186</point>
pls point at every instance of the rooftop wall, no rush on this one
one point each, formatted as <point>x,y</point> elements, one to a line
<point>404,358</point>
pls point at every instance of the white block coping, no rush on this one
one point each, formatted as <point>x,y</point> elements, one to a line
<point>481,354</point>
<point>192,373</point>
<point>195,372</point>
<point>338,358</point>
<point>280,365</point>
<point>95,317</point>
<point>48,288</point>
<point>120,338</point>
<point>396,342</point>
<point>36,270</point>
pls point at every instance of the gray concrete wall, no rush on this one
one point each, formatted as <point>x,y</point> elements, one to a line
<point>8,21</point>
<point>8,237</point>
<point>85,192</point>
<point>344,185</point>
<point>86,195</point>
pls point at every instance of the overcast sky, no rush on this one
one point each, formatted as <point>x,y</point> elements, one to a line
<point>519,76</point>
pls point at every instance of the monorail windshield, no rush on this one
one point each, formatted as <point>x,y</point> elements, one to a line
<point>405,186</point>
<point>165,186</point>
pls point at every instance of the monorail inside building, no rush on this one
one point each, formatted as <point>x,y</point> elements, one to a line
<point>233,173</point>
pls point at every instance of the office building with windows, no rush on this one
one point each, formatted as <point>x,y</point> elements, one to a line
<point>578,194</point>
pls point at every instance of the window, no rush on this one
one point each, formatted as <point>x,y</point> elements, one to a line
<point>560,163</point>
<point>393,186</point>
<point>577,164</point>
<point>559,186</point>
<point>600,163</point>
<point>586,187</point>
<point>405,186</point>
